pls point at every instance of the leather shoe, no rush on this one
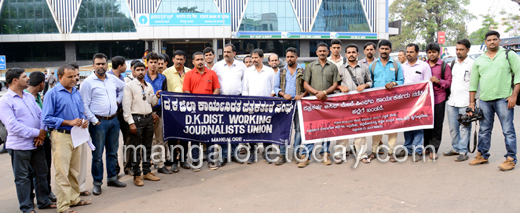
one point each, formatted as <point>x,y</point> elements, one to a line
<point>175,168</point>
<point>185,165</point>
<point>52,197</point>
<point>96,190</point>
<point>222,163</point>
<point>116,183</point>
<point>164,170</point>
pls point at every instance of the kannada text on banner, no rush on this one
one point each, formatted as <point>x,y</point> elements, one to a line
<point>219,119</point>
<point>372,112</point>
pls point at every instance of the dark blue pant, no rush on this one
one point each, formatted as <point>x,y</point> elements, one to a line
<point>105,136</point>
<point>23,161</point>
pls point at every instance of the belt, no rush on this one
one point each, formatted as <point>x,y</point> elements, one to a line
<point>106,118</point>
<point>64,131</point>
<point>142,116</point>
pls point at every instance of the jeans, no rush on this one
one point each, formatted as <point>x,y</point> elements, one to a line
<point>310,147</point>
<point>460,134</point>
<point>23,161</point>
<point>413,139</point>
<point>105,135</point>
<point>297,135</point>
<point>505,116</point>
<point>434,136</point>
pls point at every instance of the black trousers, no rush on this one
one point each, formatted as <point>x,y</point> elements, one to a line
<point>433,136</point>
<point>125,129</point>
<point>143,137</point>
<point>177,157</point>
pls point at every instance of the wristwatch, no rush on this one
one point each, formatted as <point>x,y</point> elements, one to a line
<point>394,83</point>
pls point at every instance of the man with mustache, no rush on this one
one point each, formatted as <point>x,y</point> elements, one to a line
<point>101,93</point>
<point>354,77</point>
<point>248,61</point>
<point>321,77</point>
<point>370,50</point>
<point>385,73</point>
<point>137,111</point>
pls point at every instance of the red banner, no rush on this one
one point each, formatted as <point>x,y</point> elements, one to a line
<point>371,112</point>
<point>441,37</point>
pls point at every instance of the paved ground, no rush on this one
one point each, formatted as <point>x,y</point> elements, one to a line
<point>441,186</point>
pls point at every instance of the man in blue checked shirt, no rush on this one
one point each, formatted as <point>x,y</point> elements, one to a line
<point>63,109</point>
<point>26,133</point>
<point>101,93</point>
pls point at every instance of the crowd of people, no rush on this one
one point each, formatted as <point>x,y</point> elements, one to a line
<point>108,103</point>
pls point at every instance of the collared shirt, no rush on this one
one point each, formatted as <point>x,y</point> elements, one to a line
<point>439,89</point>
<point>60,105</point>
<point>364,61</point>
<point>493,75</point>
<point>230,77</point>
<point>360,72</point>
<point>290,81</point>
<point>174,80</point>
<point>22,119</point>
<point>38,98</point>
<point>321,77</point>
<point>258,83</point>
<point>420,71</point>
<point>383,75</point>
<point>120,75</point>
<point>133,102</point>
<point>101,97</point>
<point>461,73</point>
<point>159,83</point>
<point>338,62</point>
<point>204,83</point>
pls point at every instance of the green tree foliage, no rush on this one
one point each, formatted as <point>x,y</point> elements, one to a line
<point>488,23</point>
<point>511,21</point>
<point>422,19</point>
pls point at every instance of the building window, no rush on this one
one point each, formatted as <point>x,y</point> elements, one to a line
<point>128,49</point>
<point>341,16</point>
<point>269,15</point>
<point>187,6</point>
<point>33,52</point>
<point>244,47</point>
<point>313,46</point>
<point>101,16</point>
<point>26,17</point>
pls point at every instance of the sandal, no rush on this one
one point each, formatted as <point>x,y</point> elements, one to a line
<point>51,205</point>
<point>82,203</point>
<point>372,156</point>
<point>365,160</point>
<point>70,211</point>
<point>84,193</point>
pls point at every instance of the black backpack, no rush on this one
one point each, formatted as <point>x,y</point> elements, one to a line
<point>443,70</point>
<point>512,76</point>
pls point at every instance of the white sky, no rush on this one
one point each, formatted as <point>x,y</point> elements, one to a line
<point>482,7</point>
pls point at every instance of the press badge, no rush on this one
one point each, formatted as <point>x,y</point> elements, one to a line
<point>392,69</point>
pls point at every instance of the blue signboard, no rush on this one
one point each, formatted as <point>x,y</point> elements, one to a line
<point>183,19</point>
<point>2,62</point>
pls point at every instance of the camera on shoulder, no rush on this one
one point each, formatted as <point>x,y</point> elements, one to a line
<point>467,119</point>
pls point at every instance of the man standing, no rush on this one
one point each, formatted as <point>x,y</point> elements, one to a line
<point>401,56</point>
<point>414,71</point>
<point>159,83</point>
<point>335,53</point>
<point>258,81</point>
<point>197,81</point>
<point>321,77</point>
<point>62,109</point>
<point>230,73</point>
<point>248,61</point>
<point>288,83</point>
<point>458,102</point>
<point>137,108</point>
<point>209,57</point>
<point>354,77</point>
<point>273,61</point>
<point>385,73</point>
<point>493,71</point>
<point>36,86</point>
<point>161,64</point>
<point>441,80</point>
<point>370,50</point>
<point>101,93</point>
<point>26,134</point>
<point>175,79</point>
<point>118,68</point>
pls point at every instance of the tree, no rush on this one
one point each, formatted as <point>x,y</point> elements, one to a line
<point>511,21</point>
<point>422,19</point>
<point>488,24</point>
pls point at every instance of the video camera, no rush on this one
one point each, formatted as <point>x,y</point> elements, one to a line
<point>466,119</point>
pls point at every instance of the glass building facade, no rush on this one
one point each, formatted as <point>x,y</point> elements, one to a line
<point>26,17</point>
<point>269,15</point>
<point>341,16</point>
<point>128,49</point>
<point>103,16</point>
<point>33,52</point>
<point>187,6</point>
<point>266,45</point>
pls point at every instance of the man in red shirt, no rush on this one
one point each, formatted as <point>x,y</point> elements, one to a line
<point>201,80</point>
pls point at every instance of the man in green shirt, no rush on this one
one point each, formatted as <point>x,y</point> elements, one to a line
<point>320,78</point>
<point>36,86</point>
<point>493,73</point>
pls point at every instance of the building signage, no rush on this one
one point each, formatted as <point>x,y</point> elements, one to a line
<point>183,19</point>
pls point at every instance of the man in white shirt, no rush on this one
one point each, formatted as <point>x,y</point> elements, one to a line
<point>258,81</point>
<point>209,57</point>
<point>137,111</point>
<point>458,101</point>
<point>230,73</point>
<point>273,61</point>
